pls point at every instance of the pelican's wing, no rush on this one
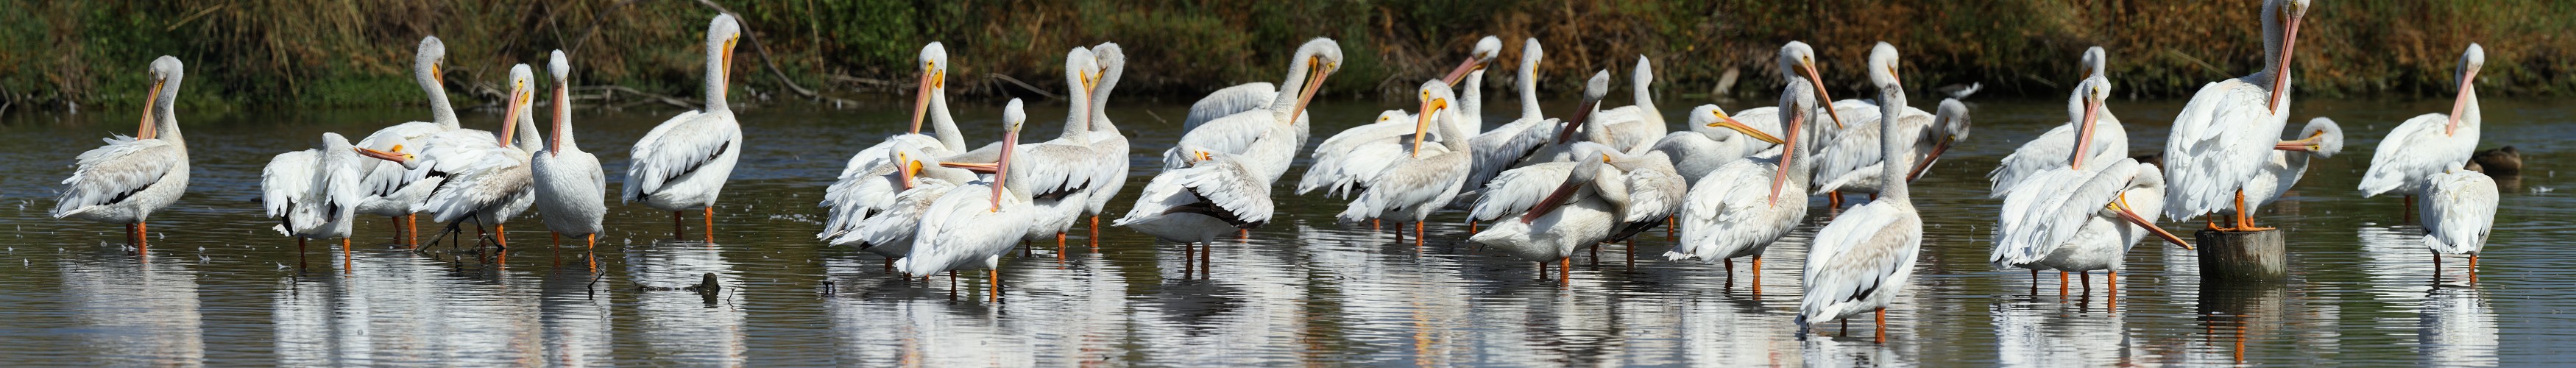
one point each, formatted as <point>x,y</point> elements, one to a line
<point>677,147</point>
<point>1056,168</point>
<point>286,178</point>
<point>1406,181</point>
<point>902,216</point>
<point>1517,190</point>
<point>1230,101</point>
<point>477,179</point>
<point>1858,255</point>
<point>1725,209</point>
<point>108,174</point>
<point>2413,152</point>
<point>2459,209</point>
<point>961,228</point>
<point>1345,171</point>
<point>1230,134</point>
<point>2209,156</point>
<point>1219,187</point>
<point>1847,150</point>
<point>1653,195</point>
<point>1498,149</point>
<point>2060,202</point>
<point>383,178</point>
<point>866,186</point>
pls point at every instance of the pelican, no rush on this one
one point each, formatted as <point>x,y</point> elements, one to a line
<point>1216,193</point>
<point>393,189</point>
<point>1716,138</point>
<point>570,188</point>
<point>869,184</point>
<point>682,164</point>
<point>1355,154</point>
<point>314,193</point>
<point>2430,143</point>
<point>487,181</point>
<point>1722,218</point>
<point>1849,164</point>
<point>1418,183</point>
<point>1577,129</point>
<point>2321,138</point>
<point>891,233</point>
<point>2222,136</point>
<point>126,180</point>
<point>2459,209</point>
<point>2109,139</point>
<point>1314,62</point>
<point>1634,128</point>
<point>978,222</point>
<point>2081,219</point>
<point>1553,208</point>
<point>1647,193</point>
<point>1505,145</point>
<point>1106,140</point>
<point>1860,261</point>
<point>1060,174</point>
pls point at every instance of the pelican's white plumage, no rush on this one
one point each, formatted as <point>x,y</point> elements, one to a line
<point>490,182</point>
<point>2459,210</point>
<point>393,189</point>
<point>1715,139</point>
<point>1634,128</point>
<point>1722,217</point>
<point>2110,140</point>
<point>1355,154</point>
<point>2431,143</point>
<point>1312,64</point>
<point>1061,174</point>
<point>2222,137</point>
<point>869,184</point>
<point>891,232</point>
<point>975,224</point>
<point>1861,261</point>
<point>571,189</point>
<point>2080,219</point>
<point>1421,181</point>
<point>1849,161</point>
<point>314,192</point>
<point>1545,216</point>
<point>128,179</point>
<point>1504,146</point>
<point>1649,191</point>
<point>2321,138</point>
<point>1106,140</point>
<point>683,163</point>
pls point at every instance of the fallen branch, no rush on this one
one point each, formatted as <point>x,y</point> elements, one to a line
<point>1024,85</point>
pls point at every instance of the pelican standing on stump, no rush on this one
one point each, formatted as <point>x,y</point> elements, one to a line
<point>2431,143</point>
<point>2226,132</point>
<point>1860,262</point>
<point>128,179</point>
<point>683,163</point>
<point>571,189</point>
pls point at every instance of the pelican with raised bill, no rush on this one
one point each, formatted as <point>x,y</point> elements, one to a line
<point>2431,143</point>
<point>870,184</point>
<point>2224,135</point>
<point>128,179</point>
<point>974,225</point>
<point>571,189</point>
<point>683,163</point>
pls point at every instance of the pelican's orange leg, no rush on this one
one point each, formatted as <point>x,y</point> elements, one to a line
<point>1882,325</point>
<point>711,224</point>
<point>2061,284</point>
<point>501,235</point>
<point>411,230</point>
<point>348,262</point>
<point>676,226</point>
<point>1565,270</point>
<point>142,237</point>
<point>1059,247</point>
<point>1417,235</point>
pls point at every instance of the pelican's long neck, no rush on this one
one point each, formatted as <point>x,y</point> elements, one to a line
<point>716,77</point>
<point>562,134</point>
<point>1295,85</point>
<point>1471,101</point>
<point>1893,146</point>
<point>165,114</point>
<point>440,111</point>
<point>1527,82</point>
<point>1077,116</point>
<point>526,140</point>
<point>1645,98</point>
<point>1452,135</point>
<point>942,125</point>
<point>2275,64</point>
<point>2469,115</point>
<point>1100,96</point>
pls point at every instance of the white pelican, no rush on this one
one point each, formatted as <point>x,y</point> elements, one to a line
<point>1355,154</point>
<point>1505,145</point>
<point>1849,161</point>
<point>393,189</point>
<point>1214,194</point>
<point>1721,217</point>
<point>2101,137</point>
<point>487,181</point>
<point>1634,128</point>
<point>2430,143</point>
<point>869,184</point>
<point>1715,139</point>
<point>571,190</point>
<point>2080,219</point>
<point>683,163</point>
<point>1060,174</point>
<point>1860,261</point>
<point>2321,138</point>
<point>1553,208</point>
<point>1577,129</point>
<point>1417,183</point>
<point>1106,140</point>
<point>2223,135</point>
<point>1314,62</point>
<point>126,180</point>
<point>976,223</point>
<point>314,193</point>
<point>1649,193</point>
<point>2459,209</point>
<point>890,233</point>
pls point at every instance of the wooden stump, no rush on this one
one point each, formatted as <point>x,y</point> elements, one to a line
<point>2242,257</point>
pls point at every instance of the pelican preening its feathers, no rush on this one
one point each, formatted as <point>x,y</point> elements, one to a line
<point>131,177</point>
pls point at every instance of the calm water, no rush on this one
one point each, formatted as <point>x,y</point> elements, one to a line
<point>219,287</point>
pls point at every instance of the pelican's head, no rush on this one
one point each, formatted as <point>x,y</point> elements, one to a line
<point>427,63</point>
<point>166,72</point>
<point>1111,59</point>
<point>2281,20</point>
<point>1436,98</point>
<point>522,93</point>
<point>1949,126</point>
<point>397,155</point>
<point>1320,57</point>
<point>1081,72</point>
<point>2470,61</point>
<point>561,67</point>
<point>722,34</point>
<point>1593,90</point>
<point>1882,67</point>
<point>2083,108</point>
<point>1530,55</point>
<point>2096,62</point>
<point>2145,180</point>
<point>1797,105</point>
<point>1485,52</point>
<point>2321,137</point>
<point>1013,116</point>
<point>934,80</point>
<point>1644,75</point>
<point>1796,58</point>
<point>1714,117</point>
